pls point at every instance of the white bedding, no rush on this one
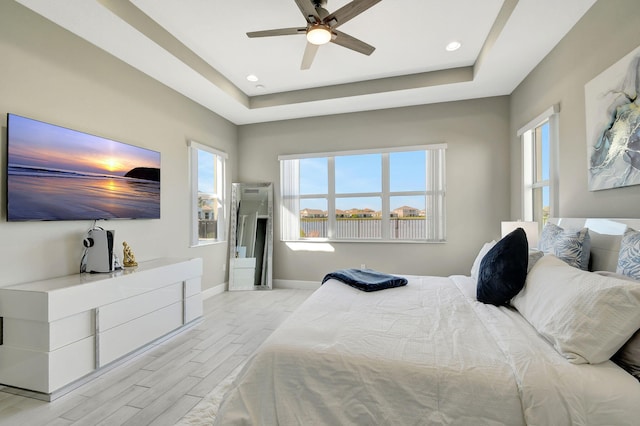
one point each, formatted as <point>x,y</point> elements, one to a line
<point>424,354</point>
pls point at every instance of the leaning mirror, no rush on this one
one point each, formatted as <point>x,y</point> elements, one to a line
<point>251,236</point>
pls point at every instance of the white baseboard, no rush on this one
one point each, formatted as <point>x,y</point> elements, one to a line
<point>214,291</point>
<point>296,284</point>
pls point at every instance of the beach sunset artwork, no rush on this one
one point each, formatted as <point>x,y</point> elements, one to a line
<point>55,173</point>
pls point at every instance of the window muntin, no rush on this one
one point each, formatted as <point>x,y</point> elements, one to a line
<point>388,195</point>
<point>207,167</point>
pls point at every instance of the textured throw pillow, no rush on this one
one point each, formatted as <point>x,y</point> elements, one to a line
<point>503,269</point>
<point>475,268</point>
<point>586,316</point>
<point>629,257</point>
<point>548,237</point>
<point>573,247</point>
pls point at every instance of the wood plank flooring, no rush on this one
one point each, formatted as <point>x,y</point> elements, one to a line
<point>162,384</point>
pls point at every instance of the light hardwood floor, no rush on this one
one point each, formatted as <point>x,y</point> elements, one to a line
<point>162,384</point>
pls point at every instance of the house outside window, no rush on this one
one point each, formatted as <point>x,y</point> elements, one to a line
<point>395,194</point>
<point>539,145</point>
<point>207,168</point>
<point>406,211</point>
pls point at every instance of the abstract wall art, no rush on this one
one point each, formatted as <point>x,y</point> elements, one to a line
<point>613,125</point>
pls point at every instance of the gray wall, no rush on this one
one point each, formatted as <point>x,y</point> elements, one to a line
<point>51,75</point>
<point>476,132</point>
<point>608,31</point>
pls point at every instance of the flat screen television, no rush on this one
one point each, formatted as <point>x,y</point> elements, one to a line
<point>55,173</point>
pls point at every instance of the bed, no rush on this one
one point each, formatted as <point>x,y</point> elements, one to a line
<point>430,353</point>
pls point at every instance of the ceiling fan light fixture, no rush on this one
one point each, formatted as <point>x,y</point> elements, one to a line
<point>319,34</point>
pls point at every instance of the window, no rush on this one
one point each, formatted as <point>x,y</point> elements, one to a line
<point>374,195</point>
<point>538,145</point>
<point>207,167</point>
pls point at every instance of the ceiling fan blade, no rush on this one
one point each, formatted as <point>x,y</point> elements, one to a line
<point>308,11</point>
<point>345,40</point>
<point>309,55</point>
<point>349,11</point>
<point>277,32</point>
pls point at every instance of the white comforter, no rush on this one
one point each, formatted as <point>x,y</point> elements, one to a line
<point>424,354</point>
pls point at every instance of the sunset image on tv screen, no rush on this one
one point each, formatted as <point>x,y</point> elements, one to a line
<point>55,173</point>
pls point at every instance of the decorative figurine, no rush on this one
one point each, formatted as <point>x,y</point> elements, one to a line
<point>128,258</point>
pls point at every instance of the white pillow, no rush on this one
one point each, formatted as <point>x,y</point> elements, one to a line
<point>587,317</point>
<point>629,256</point>
<point>475,269</point>
<point>616,275</point>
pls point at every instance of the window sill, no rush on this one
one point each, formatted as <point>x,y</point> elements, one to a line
<point>207,243</point>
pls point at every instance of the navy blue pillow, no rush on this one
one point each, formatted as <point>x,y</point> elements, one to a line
<point>503,269</point>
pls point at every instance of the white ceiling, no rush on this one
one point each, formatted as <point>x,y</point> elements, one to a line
<point>200,49</point>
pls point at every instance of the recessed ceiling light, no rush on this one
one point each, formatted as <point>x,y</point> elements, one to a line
<point>453,46</point>
<point>252,77</point>
<point>259,86</point>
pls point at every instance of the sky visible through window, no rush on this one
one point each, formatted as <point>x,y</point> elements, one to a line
<point>545,163</point>
<point>206,172</point>
<point>358,174</point>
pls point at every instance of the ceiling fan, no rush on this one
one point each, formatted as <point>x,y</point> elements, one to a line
<point>321,27</point>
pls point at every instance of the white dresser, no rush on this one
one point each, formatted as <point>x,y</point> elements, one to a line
<point>57,331</point>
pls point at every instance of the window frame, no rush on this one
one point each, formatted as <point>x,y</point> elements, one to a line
<point>290,206</point>
<point>529,162</point>
<point>220,157</point>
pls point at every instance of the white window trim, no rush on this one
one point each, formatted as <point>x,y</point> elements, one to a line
<point>289,207</point>
<point>525,134</point>
<point>194,239</point>
<point>361,151</point>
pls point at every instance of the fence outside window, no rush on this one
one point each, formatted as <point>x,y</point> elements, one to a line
<point>364,228</point>
<point>207,229</point>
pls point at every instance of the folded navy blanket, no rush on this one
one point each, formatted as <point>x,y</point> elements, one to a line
<point>366,279</point>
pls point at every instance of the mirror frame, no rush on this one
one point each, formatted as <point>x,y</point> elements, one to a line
<point>235,266</point>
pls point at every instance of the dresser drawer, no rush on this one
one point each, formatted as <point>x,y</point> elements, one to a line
<point>114,314</point>
<point>125,338</point>
<point>45,336</point>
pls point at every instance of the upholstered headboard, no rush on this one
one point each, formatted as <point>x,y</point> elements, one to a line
<point>605,238</point>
